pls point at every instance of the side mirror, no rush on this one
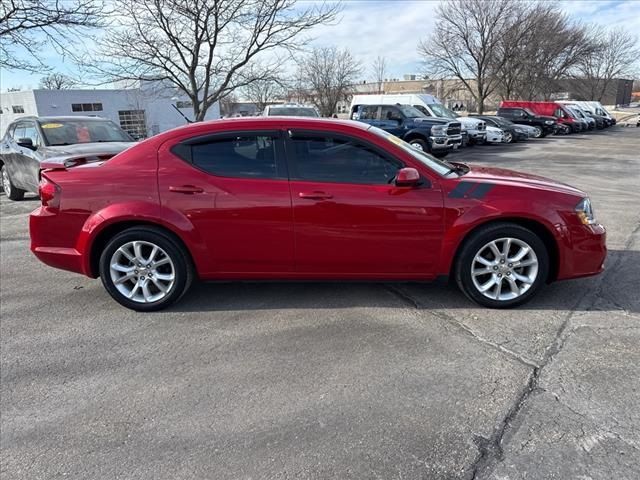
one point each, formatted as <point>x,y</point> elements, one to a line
<point>26,143</point>
<point>407,177</point>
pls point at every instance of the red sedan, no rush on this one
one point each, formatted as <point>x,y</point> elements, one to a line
<point>306,199</point>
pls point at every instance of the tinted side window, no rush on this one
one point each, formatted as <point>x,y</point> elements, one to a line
<point>390,113</point>
<point>238,156</point>
<point>368,112</point>
<point>31,132</point>
<point>18,133</point>
<point>330,159</point>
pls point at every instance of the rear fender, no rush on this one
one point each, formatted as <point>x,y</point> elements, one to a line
<point>145,213</point>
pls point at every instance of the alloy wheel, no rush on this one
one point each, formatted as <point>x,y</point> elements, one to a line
<point>142,271</point>
<point>538,132</point>
<point>504,269</point>
<point>6,183</point>
<point>508,137</point>
<point>417,146</point>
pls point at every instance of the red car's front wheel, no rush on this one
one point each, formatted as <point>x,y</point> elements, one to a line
<point>502,265</point>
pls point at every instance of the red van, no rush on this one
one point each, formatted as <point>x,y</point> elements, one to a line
<point>553,109</point>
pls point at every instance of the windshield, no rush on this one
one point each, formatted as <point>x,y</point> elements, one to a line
<point>441,111</point>
<point>430,162</point>
<point>529,112</point>
<point>411,112</point>
<point>502,121</point>
<point>293,111</point>
<point>70,132</point>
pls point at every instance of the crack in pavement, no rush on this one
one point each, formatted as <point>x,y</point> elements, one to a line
<point>491,449</point>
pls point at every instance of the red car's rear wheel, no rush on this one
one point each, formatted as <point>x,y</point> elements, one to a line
<point>145,269</point>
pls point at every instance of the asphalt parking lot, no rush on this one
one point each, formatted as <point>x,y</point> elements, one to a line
<point>344,381</point>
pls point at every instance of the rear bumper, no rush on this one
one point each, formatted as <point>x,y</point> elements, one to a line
<point>586,254</point>
<point>50,241</point>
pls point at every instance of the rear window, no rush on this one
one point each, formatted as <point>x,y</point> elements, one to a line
<point>70,132</point>
<point>245,156</point>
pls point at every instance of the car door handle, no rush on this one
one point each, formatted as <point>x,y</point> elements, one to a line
<point>186,189</point>
<point>315,195</point>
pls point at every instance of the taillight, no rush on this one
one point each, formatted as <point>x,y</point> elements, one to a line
<point>49,193</point>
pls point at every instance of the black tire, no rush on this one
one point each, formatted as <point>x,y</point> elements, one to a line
<point>183,267</point>
<point>13,193</point>
<point>418,142</point>
<point>482,237</point>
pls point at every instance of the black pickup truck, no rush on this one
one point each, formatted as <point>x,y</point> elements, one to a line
<point>434,135</point>
<point>543,125</point>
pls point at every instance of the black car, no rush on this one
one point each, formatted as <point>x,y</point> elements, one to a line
<point>512,131</point>
<point>545,125</point>
<point>30,140</point>
<point>437,136</point>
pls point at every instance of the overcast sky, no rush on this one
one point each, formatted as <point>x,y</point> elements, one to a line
<point>391,28</point>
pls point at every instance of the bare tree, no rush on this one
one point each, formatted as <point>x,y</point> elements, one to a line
<point>26,25</point>
<point>540,49</point>
<point>205,48</point>
<point>264,91</point>
<point>226,104</point>
<point>379,71</point>
<point>57,81</point>
<point>465,44</point>
<point>616,54</point>
<point>330,74</point>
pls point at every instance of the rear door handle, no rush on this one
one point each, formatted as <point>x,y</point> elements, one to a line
<point>186,189</point>
<point>315,195</point>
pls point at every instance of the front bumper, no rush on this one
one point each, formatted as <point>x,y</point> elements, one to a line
<point>586,253</point>
<point>445,142</point>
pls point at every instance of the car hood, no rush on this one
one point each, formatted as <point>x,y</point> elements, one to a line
<point>509,177</point>
<point>472,123</point>
<point>430,120</point>
<point>86,148</point>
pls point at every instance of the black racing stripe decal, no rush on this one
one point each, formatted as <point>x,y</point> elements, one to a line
<point>461,189</point>
<point>481,190</point>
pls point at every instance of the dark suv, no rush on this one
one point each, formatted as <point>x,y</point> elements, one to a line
<point>524,116</point>
<point>434,135</point>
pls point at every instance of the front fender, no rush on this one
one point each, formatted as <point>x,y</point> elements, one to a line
<point>143,213</point>
<point>461,222</point>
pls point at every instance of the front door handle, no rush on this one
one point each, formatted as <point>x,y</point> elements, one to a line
<point>186,189</point>
<point>315,195</point>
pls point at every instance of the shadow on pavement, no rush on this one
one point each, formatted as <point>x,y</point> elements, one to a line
<point>564,295</point>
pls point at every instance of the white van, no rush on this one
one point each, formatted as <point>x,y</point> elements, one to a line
<point>591,106</point>
<point>430,106</point>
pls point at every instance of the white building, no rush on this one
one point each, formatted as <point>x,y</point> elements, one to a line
<point>142,112</point>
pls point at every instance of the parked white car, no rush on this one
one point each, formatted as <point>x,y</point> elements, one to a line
<point>495,135</point>
<point>430,106</point>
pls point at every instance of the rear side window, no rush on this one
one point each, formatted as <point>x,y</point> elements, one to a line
<point>368,112</point>
<point>246,156</point>
<point>325,158</point>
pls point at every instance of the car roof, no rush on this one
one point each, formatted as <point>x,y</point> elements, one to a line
<point>275,122</point>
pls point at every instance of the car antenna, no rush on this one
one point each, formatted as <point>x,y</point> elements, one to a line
<point>181,114</point>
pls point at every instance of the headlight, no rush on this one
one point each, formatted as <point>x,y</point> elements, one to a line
<point>584,210</point>
<point>549,122</point>
<point>439,130</point>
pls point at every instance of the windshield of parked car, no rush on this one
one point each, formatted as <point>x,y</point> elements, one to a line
<point>439,166</point>
<point>411,112</point>
<point>293,111</point>
<point>70,132</point>
<point>529,112</point>
<point>441,111</point>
